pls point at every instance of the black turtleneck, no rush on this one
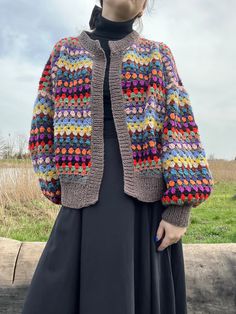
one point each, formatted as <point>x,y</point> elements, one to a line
<point>109,30</point>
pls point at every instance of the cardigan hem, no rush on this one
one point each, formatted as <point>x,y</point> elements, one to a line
<point>76,194</point>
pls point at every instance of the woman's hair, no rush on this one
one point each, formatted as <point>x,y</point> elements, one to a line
<point>98,10</point>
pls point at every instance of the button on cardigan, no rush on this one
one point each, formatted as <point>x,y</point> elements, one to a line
<point>162,154</point>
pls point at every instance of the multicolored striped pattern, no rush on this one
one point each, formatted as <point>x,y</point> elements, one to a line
<point>144,94</point>
<point>72,118</point>
<point>164,136</point>
<point>185,166</point>
<point>163,131</point>
<point>41,140</point>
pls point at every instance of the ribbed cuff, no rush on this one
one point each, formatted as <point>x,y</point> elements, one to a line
<point>177,215</point>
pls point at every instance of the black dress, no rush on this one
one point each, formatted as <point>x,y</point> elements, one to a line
<point>102,259</point>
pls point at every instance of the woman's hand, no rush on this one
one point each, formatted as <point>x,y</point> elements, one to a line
<point>172,234</point>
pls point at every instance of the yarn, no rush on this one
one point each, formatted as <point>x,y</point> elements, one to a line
<point>161,149</point>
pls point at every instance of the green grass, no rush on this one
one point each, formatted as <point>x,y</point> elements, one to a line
<point>214,221</point>
<point>30,221</point>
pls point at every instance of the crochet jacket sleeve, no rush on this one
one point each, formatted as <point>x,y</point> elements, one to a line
<point>186,170</point>
<point>41,140</point>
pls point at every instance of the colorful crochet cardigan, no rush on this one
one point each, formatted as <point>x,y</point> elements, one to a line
<point>162,154</point>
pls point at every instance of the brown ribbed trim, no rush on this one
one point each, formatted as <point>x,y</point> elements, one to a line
<point>93,45</point>
<point>117,101</point>
<point>144,187</point>
<point>177,215</point>
<point>78,191</point>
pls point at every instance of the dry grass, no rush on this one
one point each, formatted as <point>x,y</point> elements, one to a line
<point>22,203</point>
<point>15,163</point>
<point>223,170</point>
<point>19,184</point>
<point>25,214</point>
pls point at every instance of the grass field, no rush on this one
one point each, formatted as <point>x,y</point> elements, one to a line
<point>26,215</point>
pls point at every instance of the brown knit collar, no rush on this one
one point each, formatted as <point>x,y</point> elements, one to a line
<point>116,46</point>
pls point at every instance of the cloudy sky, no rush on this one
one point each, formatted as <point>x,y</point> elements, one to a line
<point>201,34</point>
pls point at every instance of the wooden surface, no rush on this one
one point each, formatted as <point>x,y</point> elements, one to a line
<point>210,275</point>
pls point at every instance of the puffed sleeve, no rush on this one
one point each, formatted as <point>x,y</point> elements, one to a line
<point>41,138</point>
<point>186,172</point>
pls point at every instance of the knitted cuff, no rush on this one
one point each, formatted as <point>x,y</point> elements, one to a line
<point>177,215</point>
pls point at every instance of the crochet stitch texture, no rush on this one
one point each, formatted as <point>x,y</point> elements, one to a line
<point>163,157</point>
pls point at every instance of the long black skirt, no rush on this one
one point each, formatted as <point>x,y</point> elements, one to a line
<point>102,259</point>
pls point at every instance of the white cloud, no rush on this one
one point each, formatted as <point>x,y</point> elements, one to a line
<point>199,32</point>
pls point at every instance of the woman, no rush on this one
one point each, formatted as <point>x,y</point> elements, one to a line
<point>116,245</point>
